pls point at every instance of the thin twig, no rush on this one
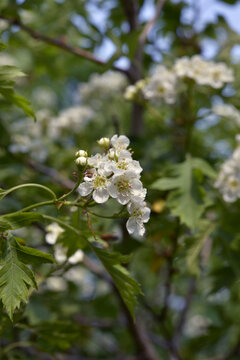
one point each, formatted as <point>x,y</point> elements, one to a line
<point>60,44</point>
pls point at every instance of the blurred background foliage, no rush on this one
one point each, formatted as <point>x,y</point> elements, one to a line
<point>191,306</point>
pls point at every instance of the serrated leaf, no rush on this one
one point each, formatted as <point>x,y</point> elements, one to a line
<point>32,256</point>
<point>18,220</point>
<point>126,285</point>
<point>187,199</point>
<point>15,278</point>
<point>7,76</point>
<point>195,249</point>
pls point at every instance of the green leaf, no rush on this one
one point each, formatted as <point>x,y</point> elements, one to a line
<point>126,285</point>
<point>2,46</point>
<point>187,200</point>
<point>16,278</point>
<point>32,256</point>
<point>18,220</point>
<point>194,251</point>
<point>7,76</point>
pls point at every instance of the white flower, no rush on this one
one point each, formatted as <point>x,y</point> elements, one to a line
<point>228,181</point>
<point>76,257</point>
<point>125,187</point>
<point>203,72</point>
<point>161,86</point>
<point>133,91</point>
<point>125,162</point>
<point>96,182</point>
<point>120,142</point>
<point>228,111</point>
<point>53,231</point>
<point>139,214</point>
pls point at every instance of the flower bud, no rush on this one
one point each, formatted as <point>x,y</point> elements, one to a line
<point>104,142</point>
<point>81,161</point>
<point>81,153</point>
<point>112,154</point>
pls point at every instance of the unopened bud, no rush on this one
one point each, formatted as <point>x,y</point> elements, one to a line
<point>81,153</point>
<point>112,154</point>
<point>81,161</point>
<point>104,142</point>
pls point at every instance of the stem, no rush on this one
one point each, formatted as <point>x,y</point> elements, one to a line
<point>60,222</point>
<point>33,206</point>
<point>73,190</point>
<point>31,185</point>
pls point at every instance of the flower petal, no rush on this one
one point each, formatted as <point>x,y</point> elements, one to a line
<point>85,188</point>
<point>100,195</point>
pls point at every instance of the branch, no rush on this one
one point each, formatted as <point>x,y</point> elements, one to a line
<point>131,9</point>
<point>149,25</point>
<point>60,44</point>
<point>182,319</point>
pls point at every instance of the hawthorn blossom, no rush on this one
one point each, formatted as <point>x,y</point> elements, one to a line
<point>203,72</point>
<point>97,183</point>
<point>139,214</point>
<point>53,231</point>
<point>161,86</point>
<point>228,181</point>
<point>125,187</point>
<point>228,111</point>
<point>115,174</point>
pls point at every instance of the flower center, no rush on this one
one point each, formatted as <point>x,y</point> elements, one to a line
<point>122,165</point>
<point>123,185</point>
<point>99,181</point>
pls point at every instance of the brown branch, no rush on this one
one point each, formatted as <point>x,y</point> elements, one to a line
<point>149,25</point>
<point>131,9</point>
<point>182,319</point>
<point>60,44</point>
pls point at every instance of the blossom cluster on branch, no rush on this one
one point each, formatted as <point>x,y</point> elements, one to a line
<point>162,84</point>
<point>115,174</point>
<point>228,181</point>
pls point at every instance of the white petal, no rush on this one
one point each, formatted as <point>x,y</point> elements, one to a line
<point>123,199</point>
<point>76,257</point>
<point>131,225</point>
<point>100,195</point>
<point>112,189</point>
<point>146,215</point>
<point>85,188</point>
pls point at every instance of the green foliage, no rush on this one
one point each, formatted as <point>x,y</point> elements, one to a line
<point>188,198</point>
<point>17,279</point>
<point>126,285</point>
<point>18,220</point>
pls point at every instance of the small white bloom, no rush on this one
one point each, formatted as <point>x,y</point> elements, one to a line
<point>228,181</point>
<point>120,142</point>
<point>125,187</point>
<point>53,231</point>
<point>97,184</point>
<point>161,86</point>
<point>139,214</point>
<point>125,162</point>
<point>60,253</point>
<point>228,111</point>
<point>76,257</point>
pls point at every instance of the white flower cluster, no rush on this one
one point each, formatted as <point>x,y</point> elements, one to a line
<point>203,72</point>
<point>162,85</point>
<point>115,174</point>
<point>228,181</point>
<point>104,85</point>
<point>74,118</point>
<point>228,111</point>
